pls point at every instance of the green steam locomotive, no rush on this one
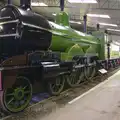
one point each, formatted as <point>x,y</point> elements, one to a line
<point>35,50</point>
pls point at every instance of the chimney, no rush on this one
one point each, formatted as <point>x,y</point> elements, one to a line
<point>25,4</point>
<point>9,2</point>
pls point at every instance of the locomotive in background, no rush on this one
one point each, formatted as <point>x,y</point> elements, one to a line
<point>33,49</point>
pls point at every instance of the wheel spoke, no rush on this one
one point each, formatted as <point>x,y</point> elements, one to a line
<point>10,101</point>
<point>16,104</point>
<point>10,94</point>
<point>25,87</point>
<point>53,86</point>
<point>90,72</point>
<point>26,92</point>
<point>56,88</point>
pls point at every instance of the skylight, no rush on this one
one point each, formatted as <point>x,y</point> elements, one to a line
<point>38,4</point>
<point>107,24</point>
<point>113,30</point>
<point>82,1</point>
<point>98,15</point>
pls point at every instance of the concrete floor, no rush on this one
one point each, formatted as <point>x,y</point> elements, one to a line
<point>100,103</point>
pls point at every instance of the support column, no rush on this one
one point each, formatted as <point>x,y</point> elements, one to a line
<point>119,51</point>
<point>9,1</point>
<point>85,23</point>
<point>108,51</point>
<point>108,47</point>
<point>62,5</point>
<point>98,27</point>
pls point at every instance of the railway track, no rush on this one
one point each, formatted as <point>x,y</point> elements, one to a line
<point>49,104</point>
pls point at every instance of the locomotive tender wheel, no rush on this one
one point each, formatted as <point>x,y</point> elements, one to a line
<point>75,78</point>
<point>56,86</point>
<point>17,98</point>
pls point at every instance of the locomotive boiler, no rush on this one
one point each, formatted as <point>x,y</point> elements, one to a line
<point>33,49</point>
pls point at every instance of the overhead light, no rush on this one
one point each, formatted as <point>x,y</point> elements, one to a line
<point>38,4</point>
<point>113,30</point>
<point>98,15</point>
<point>54,14</point>
<point>75,22</point>
<point>1,28</point>
<point>82,1</point>
<point>106,24</point>
<point>116,43</point>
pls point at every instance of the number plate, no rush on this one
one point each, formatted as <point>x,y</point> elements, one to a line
<point>103,71</point>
